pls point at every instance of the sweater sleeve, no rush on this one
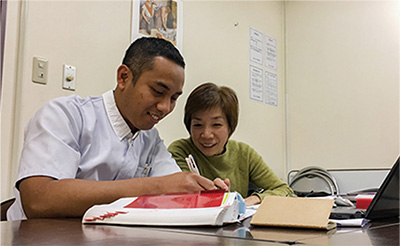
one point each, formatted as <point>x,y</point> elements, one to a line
<point>179,152</point>
<point>263,177</point>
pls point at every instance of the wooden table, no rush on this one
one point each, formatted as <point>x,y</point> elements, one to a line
<point>72,232</point>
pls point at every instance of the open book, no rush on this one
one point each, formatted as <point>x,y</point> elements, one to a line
<point>182,209</point>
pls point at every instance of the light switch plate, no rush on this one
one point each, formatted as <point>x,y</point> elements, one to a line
<point>40,70</point>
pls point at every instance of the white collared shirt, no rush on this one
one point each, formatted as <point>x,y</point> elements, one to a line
<point>72,137</point>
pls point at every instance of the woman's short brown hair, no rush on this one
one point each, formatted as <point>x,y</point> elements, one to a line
<point>208,96</point>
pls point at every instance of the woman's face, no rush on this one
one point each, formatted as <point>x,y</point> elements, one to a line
<point>209,130</point>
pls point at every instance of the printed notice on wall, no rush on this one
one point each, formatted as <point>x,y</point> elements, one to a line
<point>263,78</point>
<point>256,84</point>
<point>270,53</point>
<point>256,46</point>
<point>271,89</point>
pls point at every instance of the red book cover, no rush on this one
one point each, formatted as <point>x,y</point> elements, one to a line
<point>203,199</point>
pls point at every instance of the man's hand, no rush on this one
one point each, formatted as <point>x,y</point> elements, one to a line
<point>222,184</point>
<point>186,182</point>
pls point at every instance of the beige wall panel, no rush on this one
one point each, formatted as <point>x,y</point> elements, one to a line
<point>343,83</point>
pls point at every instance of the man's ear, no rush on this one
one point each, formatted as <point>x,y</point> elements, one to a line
<point>124,76</point>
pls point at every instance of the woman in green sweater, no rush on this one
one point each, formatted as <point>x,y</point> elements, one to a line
<point>211,116</point>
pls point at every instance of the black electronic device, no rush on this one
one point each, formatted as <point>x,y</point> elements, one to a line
<point>386,201</point>
<point>384,205</point>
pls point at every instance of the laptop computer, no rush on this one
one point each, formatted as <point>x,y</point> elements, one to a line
<point>385,203</point>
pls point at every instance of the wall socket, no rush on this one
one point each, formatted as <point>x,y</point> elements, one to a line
<point>40,70</point>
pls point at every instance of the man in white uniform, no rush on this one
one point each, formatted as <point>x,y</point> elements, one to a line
<point>79,152</point>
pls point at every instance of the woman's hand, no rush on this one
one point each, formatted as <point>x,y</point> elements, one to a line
<point>252,200</point>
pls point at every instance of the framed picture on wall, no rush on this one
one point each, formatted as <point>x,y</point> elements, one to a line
<point>158,18</point>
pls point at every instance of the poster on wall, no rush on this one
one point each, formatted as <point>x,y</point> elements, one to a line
<point>256,46</point>
<point>271,53</point>
<point>271,89</point>
<point>157,18</point>
<point>263,48</point>
<point>256,83</point>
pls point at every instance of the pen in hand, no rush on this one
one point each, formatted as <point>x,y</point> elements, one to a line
<point>192,164</point>
<point>219,183</point>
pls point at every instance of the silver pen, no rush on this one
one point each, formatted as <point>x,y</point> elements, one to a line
<point>192,164</point>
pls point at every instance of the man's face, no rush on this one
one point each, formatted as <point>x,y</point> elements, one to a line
<point>153,96</point>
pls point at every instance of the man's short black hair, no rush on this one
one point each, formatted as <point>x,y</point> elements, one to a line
<point>139,57</point>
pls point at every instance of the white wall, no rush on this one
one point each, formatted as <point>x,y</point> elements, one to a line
<point>341,58</point>
<point>343,83</point>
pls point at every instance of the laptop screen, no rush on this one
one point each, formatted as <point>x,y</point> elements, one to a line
<point>386,201</point>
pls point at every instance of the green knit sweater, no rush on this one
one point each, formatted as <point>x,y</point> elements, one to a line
<point>239,163</point>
